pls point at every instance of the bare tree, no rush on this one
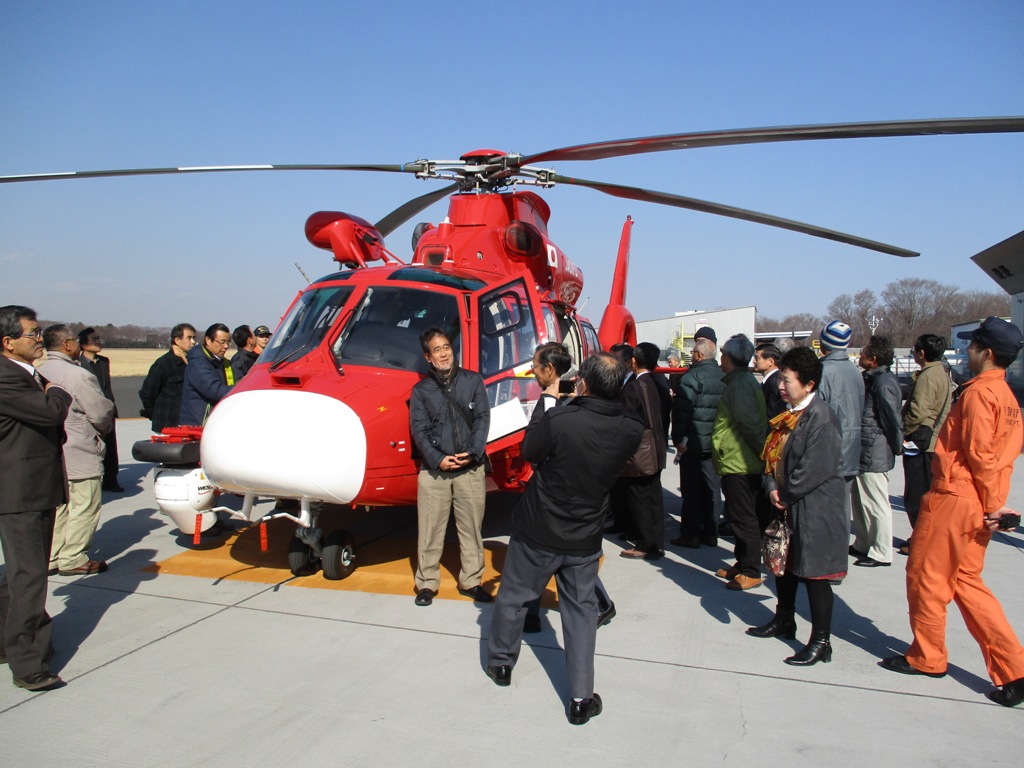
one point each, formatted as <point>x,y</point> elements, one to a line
<point>856,311</point>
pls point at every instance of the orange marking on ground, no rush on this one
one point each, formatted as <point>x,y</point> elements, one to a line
<point>384,567</point>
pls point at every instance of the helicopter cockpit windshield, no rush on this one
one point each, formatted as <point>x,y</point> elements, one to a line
<point>386,327</point>
<point>309,320</point>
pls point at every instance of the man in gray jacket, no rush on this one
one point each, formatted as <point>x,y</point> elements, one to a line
<point>881,440</point>
<point>843,389</point>
<point>91,416</point>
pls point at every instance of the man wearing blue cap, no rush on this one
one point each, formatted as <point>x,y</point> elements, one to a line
<point>842,387</point>
<point>978,445</point>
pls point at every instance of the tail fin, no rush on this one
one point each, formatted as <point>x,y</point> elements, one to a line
<point>617,324</point>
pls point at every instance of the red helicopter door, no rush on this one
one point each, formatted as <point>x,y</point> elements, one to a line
<point>503,323</point>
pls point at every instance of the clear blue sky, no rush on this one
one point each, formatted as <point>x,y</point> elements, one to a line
<point>112,84</point>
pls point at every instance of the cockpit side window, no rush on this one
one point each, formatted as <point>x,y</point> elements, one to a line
<point>508,331</point>
<point>309,320</point>
<point>386,325</point>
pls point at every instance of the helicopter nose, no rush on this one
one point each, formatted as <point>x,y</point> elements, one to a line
<point>285,444</point>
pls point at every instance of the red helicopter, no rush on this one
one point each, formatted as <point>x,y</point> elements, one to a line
<point>323,418</point>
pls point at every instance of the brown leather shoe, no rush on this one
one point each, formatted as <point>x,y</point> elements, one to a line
<point>87,568</point>
<point>728,573</point>
<point>741,581</point>
<point>633,554</point>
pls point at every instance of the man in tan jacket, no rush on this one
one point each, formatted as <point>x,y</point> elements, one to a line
<point>931,396</point>
<point>91,416</point>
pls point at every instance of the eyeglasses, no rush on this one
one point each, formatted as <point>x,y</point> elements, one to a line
<point>36,334</point>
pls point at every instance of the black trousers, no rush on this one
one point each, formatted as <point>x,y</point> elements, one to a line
<point>701,490</point>
<point>646,511</point>
<point>748,516</point>
<point>26,629</point>
<point>917,474</point>
<point>111,463</point>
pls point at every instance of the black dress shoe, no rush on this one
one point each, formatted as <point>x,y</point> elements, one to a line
<point>1010,695</point>
<point>478,593</point>
<point>113,488</point>
<point>581,711</point>
<point>709,541</point>
<point>531,625</point>
<point>606,615</point>
<point>501,675</point>
<point>870,562</point>
<point>901,665</point>
<point>690,542</point>
<point>425,597</point>
<point>39,681</point>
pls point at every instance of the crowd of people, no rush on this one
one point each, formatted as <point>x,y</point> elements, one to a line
<point>812,442</point>
<point>58,454</point>
<point>807,439</point>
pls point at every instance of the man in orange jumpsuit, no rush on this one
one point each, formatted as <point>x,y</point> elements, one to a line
<point>973,462</point>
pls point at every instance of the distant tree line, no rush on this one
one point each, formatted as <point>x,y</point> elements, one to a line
<point>906,309</point>
<point>124,336</point>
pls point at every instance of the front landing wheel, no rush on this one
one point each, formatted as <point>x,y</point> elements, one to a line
<point>301,561</point>
<point>339,556</point>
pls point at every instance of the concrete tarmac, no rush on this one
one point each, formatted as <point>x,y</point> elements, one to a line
<point>168,670</point>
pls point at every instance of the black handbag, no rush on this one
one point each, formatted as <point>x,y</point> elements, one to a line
<point>644,463</point>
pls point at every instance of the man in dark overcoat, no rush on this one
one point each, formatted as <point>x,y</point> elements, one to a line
<point>32,484</point>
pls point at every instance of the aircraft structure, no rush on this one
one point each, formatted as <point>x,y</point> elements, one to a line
<point>322,419</point>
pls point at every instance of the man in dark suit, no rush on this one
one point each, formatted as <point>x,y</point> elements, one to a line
<point>99,366</point>
<point>32,484</point>
<point>766,363</point>
<point>644,399</point>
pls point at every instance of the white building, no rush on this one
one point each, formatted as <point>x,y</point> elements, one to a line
<point>666,331</point>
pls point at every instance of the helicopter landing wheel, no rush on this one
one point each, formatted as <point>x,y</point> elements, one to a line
<point>339,556</point>
<point>301,560</point>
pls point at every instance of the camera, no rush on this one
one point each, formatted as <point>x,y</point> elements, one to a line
<point>566,386</point>
<point>1009,521</point>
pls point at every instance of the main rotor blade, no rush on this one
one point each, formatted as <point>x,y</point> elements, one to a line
<point>622,147</point>
<point>403,213</point>
<point>403,168</point>
<point>693,204</point>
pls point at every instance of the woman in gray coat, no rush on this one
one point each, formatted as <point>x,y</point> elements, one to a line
<point>804,480</point>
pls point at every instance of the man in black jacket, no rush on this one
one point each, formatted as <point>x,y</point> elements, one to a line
<point>449,417</point>
<point>161,390</point>
<point>557,526</point>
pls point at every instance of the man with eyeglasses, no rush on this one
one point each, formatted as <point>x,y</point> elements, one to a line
<point>449,416</point>
<point>208,376</point>
<point>32,414</point>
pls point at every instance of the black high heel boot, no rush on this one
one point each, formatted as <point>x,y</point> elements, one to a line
<point>782,625</point>
<point>817,649</point>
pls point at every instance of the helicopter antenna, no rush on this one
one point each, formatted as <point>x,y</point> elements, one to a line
<point>303,273</point>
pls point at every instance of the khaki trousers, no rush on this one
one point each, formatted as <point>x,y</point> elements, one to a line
<point>945,564</point>
<point>437,495</point>
<point>872,516</point>
<point>75,524</point>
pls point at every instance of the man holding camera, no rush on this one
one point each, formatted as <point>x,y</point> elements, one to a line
<point>974,458</point>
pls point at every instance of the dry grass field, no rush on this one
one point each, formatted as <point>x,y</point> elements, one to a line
<point>131,362</point>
